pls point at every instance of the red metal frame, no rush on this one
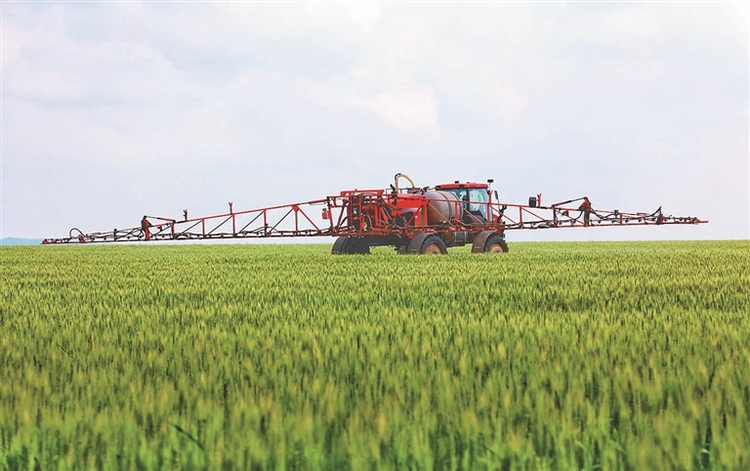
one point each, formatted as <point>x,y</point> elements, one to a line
<point>391,213</point>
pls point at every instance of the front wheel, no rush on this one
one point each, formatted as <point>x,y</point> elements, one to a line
<point>495,244</point>
<point>489,241</point>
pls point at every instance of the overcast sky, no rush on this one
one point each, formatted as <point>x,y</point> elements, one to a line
<point>112,110</point>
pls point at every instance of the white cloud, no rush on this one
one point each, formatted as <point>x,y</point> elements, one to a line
<point>13,39</point>
<point>406,110</point>
<point>46,86</point>
<point>246,27</point>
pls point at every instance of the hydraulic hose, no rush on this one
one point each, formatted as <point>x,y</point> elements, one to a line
<point>402,175</point>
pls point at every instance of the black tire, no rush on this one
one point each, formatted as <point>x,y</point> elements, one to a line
<point>495,244</point>
<point>433,245</point>
<point>345,245</point>
<point>338,246</point>
<point>415,244</point>
<point>360,246</point>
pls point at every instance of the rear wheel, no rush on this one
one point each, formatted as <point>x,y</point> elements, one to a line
<point>426,243</point>
<point>350,245</point>
<point>361,246</point>
<point>434,245</point>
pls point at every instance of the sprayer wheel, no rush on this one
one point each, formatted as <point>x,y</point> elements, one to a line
<point>350,245</point>
<point>495,244</point>
<point>434,245</point>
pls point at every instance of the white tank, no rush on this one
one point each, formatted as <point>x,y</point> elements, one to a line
<point>444,206</point>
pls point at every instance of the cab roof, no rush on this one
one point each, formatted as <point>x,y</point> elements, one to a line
<point>457,185</point>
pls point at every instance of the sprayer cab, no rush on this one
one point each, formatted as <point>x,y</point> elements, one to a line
<point>474,197</point>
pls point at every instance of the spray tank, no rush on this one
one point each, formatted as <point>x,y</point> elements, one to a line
<point>443,207</point>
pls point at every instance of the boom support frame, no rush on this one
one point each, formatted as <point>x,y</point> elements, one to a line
<point>397,214</point>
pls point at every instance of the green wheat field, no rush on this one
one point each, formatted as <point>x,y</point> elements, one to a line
<point>555,356</point>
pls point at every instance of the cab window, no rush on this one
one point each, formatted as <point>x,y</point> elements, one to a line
<point>479,199</point>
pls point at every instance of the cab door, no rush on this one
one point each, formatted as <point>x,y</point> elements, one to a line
<point>479,202</point>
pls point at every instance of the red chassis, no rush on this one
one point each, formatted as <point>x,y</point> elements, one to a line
<point>394,216</point>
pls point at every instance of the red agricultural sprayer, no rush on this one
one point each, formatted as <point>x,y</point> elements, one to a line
<point>412,219</point>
